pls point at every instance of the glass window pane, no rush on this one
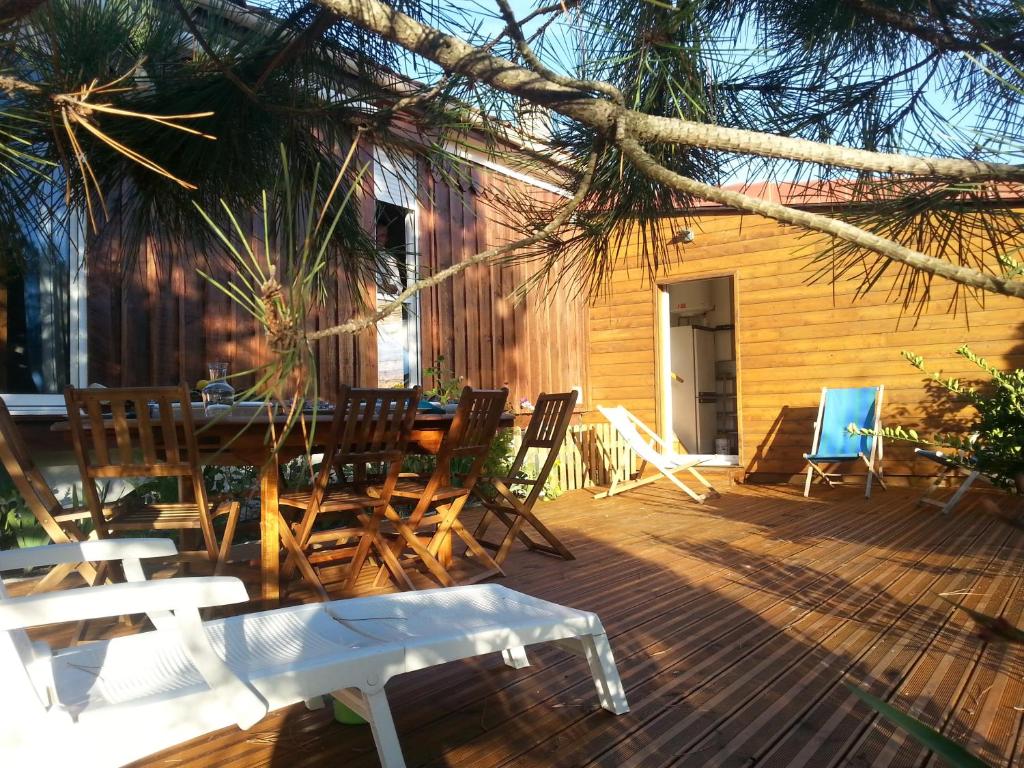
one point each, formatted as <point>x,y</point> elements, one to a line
<point>397,334</point>
<point>34,311</point>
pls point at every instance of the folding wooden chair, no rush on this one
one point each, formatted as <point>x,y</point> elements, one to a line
<point>833,442</point>
<point>546,430</point>
<point>62,525</point>
<point>652,450</point>
<point>367,439</point>
<point>418,538</point>
<point>142,438</point>
<point>950,468</point>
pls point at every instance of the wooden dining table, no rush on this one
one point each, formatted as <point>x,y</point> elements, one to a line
<point>243,440</point>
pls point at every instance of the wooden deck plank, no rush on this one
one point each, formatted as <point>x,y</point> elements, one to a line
<point>733,624</point>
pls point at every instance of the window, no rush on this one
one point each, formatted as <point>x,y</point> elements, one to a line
<point>42,315</point>
<point>398,334</point>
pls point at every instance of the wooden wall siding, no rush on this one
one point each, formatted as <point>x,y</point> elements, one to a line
<point>795,337</point>
<point>162,322</point>
<point>533,346</point>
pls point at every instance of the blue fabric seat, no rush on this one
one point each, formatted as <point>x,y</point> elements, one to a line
<point>834,443</point>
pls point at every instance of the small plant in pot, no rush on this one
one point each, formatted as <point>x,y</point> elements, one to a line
<point>446,385</point>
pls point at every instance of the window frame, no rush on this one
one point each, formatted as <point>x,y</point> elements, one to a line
<point>78,331</point>
<point>396,185</point>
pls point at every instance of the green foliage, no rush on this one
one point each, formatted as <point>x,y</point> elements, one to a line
<point>446,385</point>
<point>499,458</point>
<point>951,752</point>
<point>994,440</point>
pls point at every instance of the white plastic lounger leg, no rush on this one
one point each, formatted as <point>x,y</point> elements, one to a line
<point>598,653</point>
<point>960,492</point>
<point>374,708</point>
<point>516,657</point>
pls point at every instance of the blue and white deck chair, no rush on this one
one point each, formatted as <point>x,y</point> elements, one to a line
<point>833,442</point>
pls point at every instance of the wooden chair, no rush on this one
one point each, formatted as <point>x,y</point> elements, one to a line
<point>371,429</point>
<point>62,525</point>
<point>546,430</point>
<point>438,501</point>
<point>145,437</point>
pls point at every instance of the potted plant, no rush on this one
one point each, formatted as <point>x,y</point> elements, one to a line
<point>446,386</point>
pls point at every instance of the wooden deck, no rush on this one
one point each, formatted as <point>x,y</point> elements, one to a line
<point>733,625</point>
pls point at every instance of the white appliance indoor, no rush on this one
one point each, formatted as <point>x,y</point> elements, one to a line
<point>692,356</point>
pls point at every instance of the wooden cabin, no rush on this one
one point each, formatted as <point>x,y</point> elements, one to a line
<point>741,289</point>
<point>159,322</point>
<point>744,285</point>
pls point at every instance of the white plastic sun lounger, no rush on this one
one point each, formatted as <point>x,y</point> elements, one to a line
<point>111,702</point>
<point>651,449</point>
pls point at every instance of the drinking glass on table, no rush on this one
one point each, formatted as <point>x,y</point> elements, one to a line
<point>218,395</point>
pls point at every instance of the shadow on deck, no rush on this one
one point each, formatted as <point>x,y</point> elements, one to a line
<point>733,625</point>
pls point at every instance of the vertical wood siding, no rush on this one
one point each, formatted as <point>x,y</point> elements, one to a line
<point>161,322</point>
<point>794,337</point>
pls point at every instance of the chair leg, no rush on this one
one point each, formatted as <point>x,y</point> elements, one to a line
<point>807,483</point>
<point>685,488</point>
<point>373,707</point>
<point>56,575</point>
<point>484,524</point>
<point>598,653</point>
<point>393,566</point>
<point>308,574</point>
<point>959,493</point>
<point>234,510</point>
<point>492,568</point>
<point>515,657</point>
<point>425,555</point>
<point>371,523</point>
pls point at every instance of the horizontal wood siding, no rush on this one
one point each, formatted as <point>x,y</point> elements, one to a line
<point>795,336</point>
<point>161,322</point>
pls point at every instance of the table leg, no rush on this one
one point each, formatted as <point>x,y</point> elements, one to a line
<point>270,534</point>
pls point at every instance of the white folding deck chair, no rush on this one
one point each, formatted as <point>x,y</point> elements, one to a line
<point>833,443</point>
<point>949,467</point>
<point>651,450</point>
<point>115,701</point>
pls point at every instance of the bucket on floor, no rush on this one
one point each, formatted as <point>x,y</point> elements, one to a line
<point>344,715</point>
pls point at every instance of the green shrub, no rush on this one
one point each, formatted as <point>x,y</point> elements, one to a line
<point>993,442</point>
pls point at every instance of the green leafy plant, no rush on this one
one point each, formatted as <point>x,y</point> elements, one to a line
<point>951,752</point>
<point>447,386</point>
<point>993,443</point>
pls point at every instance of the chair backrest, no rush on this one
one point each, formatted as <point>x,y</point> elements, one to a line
<point>839,408</point>
<point>547,428</point>
<point>370,426</point>
<point>27,478</point>
<point>143,436</point>
<point>623,422</point>
<point>472,431</point>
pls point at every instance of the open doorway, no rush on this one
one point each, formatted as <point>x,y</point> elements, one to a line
<point>698,387</point>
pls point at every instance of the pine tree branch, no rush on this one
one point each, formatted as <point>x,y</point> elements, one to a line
<point>11,85</point>
<point>940,40</point>
<point>813,221</point>
<point>456,55</point>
